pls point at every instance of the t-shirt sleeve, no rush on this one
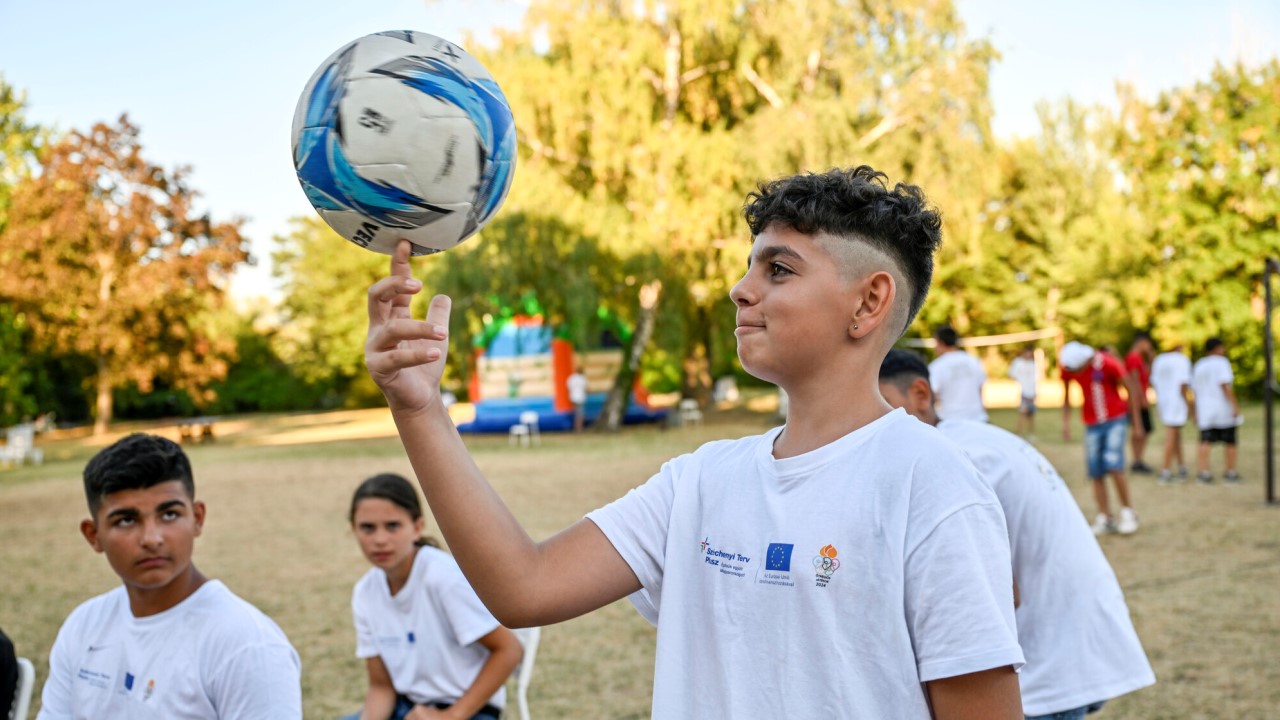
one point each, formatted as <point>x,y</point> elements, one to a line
<point>959,595</point>
<point>636,524</point>
<point>259,681</point>
<point>55,699</point>
<point>1225,376</point>
<point>466,615</point>
<point>366,647</point>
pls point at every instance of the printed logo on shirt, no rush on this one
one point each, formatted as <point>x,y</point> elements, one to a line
<point>727,562</point>
<point>825,565</point>
<point>777,565</point>
<point>93,678</point>
<point>127,684</point>
<point>151,688</point>
<point>410,635</point>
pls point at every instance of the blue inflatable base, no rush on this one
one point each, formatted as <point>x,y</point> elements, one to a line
<point>497,416</point>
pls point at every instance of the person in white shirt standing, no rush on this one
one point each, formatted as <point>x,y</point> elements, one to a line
<point>1217,412</point>
<point>1023,369</point>
<point>576,384</point>
<point>957,378</point>
<point>1073,623</point>
<point>169,643</point>
<point>1171,378</point>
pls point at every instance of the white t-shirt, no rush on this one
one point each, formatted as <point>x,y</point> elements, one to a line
<point>1171,371</point>
<point>957,378</point>
<point>212,655</point>
<point>425,634</point>
<point>1213,409</point>
<point>1024,371</point>
<point>830,584</point>
<point>577,386</point>
<point>1073,623</point>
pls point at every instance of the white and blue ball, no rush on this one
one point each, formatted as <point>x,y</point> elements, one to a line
<point>404,135</point>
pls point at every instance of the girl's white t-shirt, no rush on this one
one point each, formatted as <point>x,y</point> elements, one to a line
<point>427,633</point>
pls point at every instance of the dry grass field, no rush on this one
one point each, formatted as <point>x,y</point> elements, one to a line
<point>1202,576</point>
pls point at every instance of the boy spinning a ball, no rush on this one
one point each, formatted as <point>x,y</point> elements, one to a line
<point>847,564</point>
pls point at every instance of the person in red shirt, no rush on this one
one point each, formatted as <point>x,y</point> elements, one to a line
<point>1138,364</point>
<point>1106,416</point>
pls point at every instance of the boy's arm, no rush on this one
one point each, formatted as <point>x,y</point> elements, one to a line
<point>523,583</point>
<point>986,695</point>
<point>1134,388</point>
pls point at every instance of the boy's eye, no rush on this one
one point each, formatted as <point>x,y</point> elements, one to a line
<point>170,515</point>
<point>122,522</point>
<point>776,269</point>
<point>393,526</point>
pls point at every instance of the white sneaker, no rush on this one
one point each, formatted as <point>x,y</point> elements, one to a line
<point>1128,521</point>
<point>1103,524</point>
<point>1165,478</point>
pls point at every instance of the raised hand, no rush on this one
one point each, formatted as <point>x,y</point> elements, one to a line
<point>405,357</point>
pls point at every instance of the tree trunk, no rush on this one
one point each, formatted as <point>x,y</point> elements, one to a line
<point>102,419</point>
<point>615,405</point>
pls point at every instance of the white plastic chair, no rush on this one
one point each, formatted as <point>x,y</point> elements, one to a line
<point>22,694</point>
<point>529,638</point>
<point>526,430</point>
<point>690,413</point>
<point>20,444</point>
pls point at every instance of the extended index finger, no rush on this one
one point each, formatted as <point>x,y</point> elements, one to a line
<point>400,269</point>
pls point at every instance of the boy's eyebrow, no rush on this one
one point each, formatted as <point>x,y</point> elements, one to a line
<point>774,251</point>
<point>126,512</point>
<point>169,504</point>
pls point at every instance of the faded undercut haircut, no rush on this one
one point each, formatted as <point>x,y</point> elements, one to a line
<point>856,204</point>
<point>136,462</point>
<point>902,367</point>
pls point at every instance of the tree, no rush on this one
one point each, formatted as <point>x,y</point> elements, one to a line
<point>325,281</point>
<point>19,142</point>
<point>1202,163</point>
<point>668,113</point>
<point>105,255</point>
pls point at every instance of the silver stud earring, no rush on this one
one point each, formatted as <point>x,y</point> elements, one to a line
<point>855,326</point>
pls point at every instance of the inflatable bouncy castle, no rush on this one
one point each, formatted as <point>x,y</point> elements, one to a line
<point>521,364</point>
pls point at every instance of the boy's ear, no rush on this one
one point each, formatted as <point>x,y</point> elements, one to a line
<point>921,393</point>
<point>873,304</point>
<point>197,512</point>
<point>89,529</point>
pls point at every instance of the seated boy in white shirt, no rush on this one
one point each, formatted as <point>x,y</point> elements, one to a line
<point>848,564</point>
<point>169,642</point>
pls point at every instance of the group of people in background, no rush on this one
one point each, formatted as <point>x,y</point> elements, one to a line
<point>1115,408</point>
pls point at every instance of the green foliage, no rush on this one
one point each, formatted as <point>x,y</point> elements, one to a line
<point>1203,165</point>
<point>16,376</point>
<point>104,256</point>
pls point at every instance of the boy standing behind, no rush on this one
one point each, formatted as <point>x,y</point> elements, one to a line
<point>169,643</point>
<point>1106,423</point>
<point>1023,369</point>
<point>1073,623</point>
<point>1217,411</point>
<point>848,564</point>
<point>1171,378</point>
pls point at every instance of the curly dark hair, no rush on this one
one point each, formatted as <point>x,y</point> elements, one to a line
<point>135,462</point>
<point>856,204</point>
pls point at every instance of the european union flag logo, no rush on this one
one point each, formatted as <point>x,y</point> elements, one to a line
<point>128,681</point>
<point>778,557</point>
